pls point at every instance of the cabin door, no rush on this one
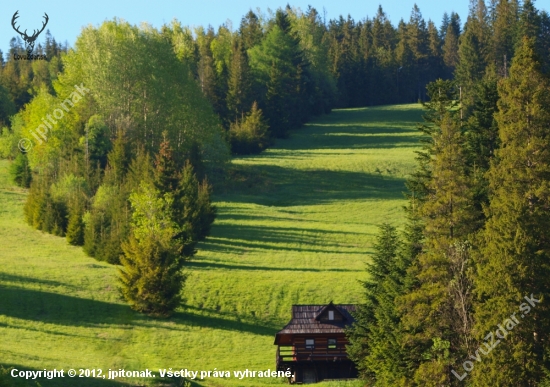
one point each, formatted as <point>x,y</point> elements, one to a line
<point>309,376</point>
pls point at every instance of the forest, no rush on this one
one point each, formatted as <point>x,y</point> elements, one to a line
<point>129,170</point>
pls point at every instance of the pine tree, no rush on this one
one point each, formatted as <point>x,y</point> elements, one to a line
<point>504,33</point>
<point>514,258</point>
<point>450,49</point>
<point>165,175</point>
<point>376,336</point>
<point>151,276</point>
<point>240,83</point>
<point>75,226</point>
<point>251,135</point>
<point>481,136</point>
<point>207,211</point>
<point>470,68</point>
<point>437,310</point>
<point>20,171</point>
<point>250,30</point>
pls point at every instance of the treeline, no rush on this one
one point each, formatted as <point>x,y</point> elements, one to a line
<point>119,147</point>
<point>21,80</point>
<point>273,73</point>
<point>460,297</point>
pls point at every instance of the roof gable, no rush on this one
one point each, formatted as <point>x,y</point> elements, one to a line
<point>310,319</point>
<point>325,315</point>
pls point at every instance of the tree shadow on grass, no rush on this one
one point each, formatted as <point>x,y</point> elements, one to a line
<point>35,281</point>
<point>228,237</point>
<point>209,318</point>
<point>271,185</point>
<point>355,137</point>
<point>34,305</point>
<point>215,265</point>
<point>236,216</point>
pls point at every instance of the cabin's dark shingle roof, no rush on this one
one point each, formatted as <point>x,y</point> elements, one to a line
<point>304,319</point>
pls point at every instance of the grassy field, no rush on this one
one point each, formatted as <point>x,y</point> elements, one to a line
<point>295,225</point>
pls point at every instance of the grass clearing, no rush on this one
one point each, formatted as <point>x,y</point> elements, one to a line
<point>295,225</point>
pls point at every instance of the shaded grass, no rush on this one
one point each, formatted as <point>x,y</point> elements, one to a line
<point>295,225</point>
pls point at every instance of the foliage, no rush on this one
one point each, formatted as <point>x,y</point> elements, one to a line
<point>513,258</point>
<point>20,171</point>
<point>151,277</point>
<point>251,135</point>
<point>377,337</point>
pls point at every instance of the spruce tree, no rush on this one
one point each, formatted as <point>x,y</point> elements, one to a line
<point>187,210</point>
<point>506,14</point>
<point>376,336</point>
<point>435,315</point>
<point>20,171</point>
<point>514,258</point>
<point>470,68</point>
<point>450,48</point>
<point>207,211</point>
<point>251,135</point>
<point>481,134</point>
<point>75,226</point>
<point>239,82</point>
<point>151,276</point>
<point>165,175</point>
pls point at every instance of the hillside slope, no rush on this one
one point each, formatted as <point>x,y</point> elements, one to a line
<point>295,225</point>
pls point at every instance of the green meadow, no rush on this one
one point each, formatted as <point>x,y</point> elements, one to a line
<point>295,225</point>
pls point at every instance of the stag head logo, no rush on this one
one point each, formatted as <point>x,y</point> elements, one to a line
<point>29,40</point>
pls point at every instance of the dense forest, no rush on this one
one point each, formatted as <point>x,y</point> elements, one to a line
<point>460,297</point>
<point>126,171</point>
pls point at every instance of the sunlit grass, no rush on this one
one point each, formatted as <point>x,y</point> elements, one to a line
<point>296,225</point>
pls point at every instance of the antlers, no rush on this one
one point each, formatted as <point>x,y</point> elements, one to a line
<point>29,39</point>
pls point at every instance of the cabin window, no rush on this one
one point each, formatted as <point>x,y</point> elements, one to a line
<point>310,343</point>
<point>331,315</point>
<point>331,343</point>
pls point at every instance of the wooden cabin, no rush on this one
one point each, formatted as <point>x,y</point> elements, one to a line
<point>313,344</point>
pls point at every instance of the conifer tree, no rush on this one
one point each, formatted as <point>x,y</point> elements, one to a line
<point>514,258</point>
<point>151,276</point>
<point>20,171</point>
<point>207,210</point>
<point>470,68</point>
<point>250,30</point>
<point>165,175</point>
<point>75,225</point>
<point>118,158</point>
<point>504,33</point>
<point>240,83</point>
<point>431,311</point>
<point>187,211</point>
<point>251,135</point>
<point>481,134</point>
<point>450,48</point>
<point>376,336</point>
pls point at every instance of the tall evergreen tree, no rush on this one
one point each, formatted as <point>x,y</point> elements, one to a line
<point>504,33</point>
<point>514,259</point>
<point>436,313</point>
<point>250,30</point>
<point>20,171</point>
<point>151,276</point>
<point>239,91</point>
<point>376,336</point>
